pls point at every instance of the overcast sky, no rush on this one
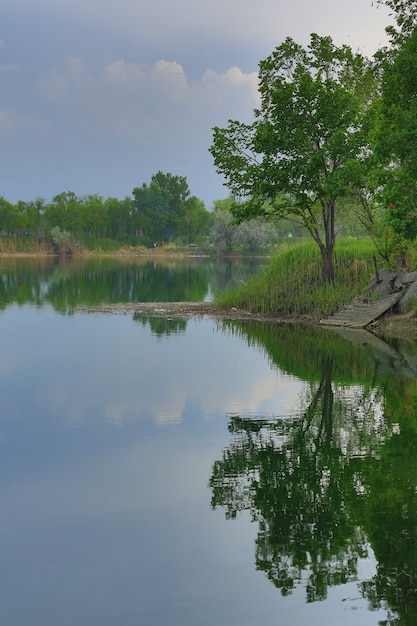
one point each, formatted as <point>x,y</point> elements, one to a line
<point>98,95</point>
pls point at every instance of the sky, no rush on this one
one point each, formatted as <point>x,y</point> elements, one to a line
<point>96,97</point>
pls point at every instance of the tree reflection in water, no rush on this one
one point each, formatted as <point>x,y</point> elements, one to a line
<point>333,482</point>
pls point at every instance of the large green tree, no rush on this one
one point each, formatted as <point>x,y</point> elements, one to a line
<point>302,154</point>
<point>394,139</point>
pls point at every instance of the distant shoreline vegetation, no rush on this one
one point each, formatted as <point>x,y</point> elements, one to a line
<point>159,212</point>
<point>292,284</point>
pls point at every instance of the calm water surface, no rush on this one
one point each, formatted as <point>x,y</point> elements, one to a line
<point>198,473</point>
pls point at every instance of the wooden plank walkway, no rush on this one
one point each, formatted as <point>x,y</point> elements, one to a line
<point>359,315</point>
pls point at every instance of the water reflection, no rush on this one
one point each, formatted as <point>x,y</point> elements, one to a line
<point>335,483</point>
<point>68,283</point>
<point>160,327</point>
<point>111,428</point>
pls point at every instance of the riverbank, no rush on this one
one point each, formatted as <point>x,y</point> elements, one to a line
<point>390,325</point>
<point>186,310</point>
<point>239,309</point>
<point>395,325</point>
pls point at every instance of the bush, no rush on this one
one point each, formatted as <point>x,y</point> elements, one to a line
<point>63,241</point>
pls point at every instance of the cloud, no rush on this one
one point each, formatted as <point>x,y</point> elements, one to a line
<point>242,22</point>
<point>9,67</point>
<point>140,101</point>
<point>11,122</point>
<point>115,91</point>
<point>129,387</point>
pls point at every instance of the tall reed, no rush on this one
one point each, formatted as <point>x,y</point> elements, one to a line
<point>293,283</point>
<point>24,245</point>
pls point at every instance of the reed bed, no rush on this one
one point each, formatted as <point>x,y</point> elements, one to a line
<point>293,283</point>
<point>24,245</point>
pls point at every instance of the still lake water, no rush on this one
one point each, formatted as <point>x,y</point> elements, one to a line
<point>157,472</point>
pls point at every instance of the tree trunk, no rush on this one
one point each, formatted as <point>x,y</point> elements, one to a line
<point>328,264</point>
<point>326,243</point>
<point>327,251</point>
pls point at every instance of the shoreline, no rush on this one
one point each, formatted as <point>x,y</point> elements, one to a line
<point>392,325</point>
<point>186,310</point>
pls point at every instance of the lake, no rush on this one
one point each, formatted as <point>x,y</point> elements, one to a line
<point>197,472</point>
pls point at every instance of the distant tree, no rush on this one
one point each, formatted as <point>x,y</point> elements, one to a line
<point>300,156</point>
<point>94,215</point>
<point>254,234</point>
<point>223,231</point>
<point>178,192</point>
<point>65,212</point>
<point>119,215</point>
<point>151,212</point>
<point>32,214</point>
<point>9,217</point>
<point>195,221</point>
<point>164,209</point>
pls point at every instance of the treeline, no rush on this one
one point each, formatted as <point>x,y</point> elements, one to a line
<point>162,211</point>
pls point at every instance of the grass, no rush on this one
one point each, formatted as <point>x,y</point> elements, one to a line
<point>293,284</point>
<point>23,245</point>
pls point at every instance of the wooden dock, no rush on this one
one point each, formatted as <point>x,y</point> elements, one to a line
<point>361,314</point>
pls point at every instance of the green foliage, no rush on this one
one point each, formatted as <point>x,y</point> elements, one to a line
<point>118,217</point>
<point>336,476</point>
<point>405,16</point>
<point>91,281</point>
<point>9,218</point>
<point>195,221</point>
<point>395,141</point>
<point>164,210</point>
<point>293,283</point>
<point>300,156</point>
<point>101,244</point>
<point>151,212</point>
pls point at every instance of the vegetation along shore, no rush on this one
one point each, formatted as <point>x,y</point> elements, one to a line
<point>291,288</point>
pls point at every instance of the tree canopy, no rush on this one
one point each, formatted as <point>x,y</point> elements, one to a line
<point>301,153</point>
<point>395,140</point>
<point>405,16</point>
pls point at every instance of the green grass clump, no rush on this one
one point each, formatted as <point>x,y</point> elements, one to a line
<point>97,244</point>
<point>293,283</point>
